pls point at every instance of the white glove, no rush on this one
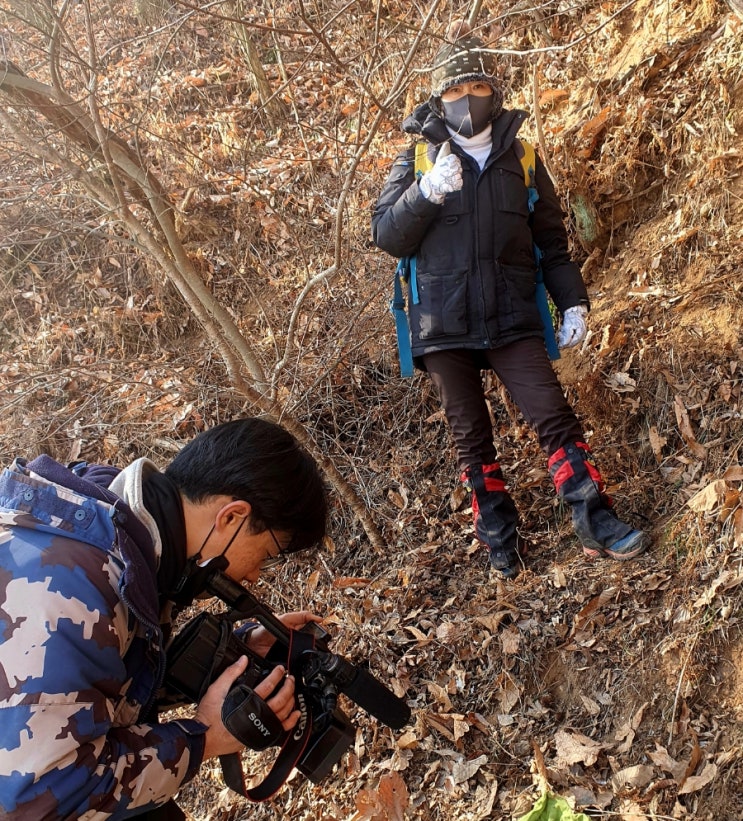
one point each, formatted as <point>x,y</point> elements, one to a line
<point>444,178</point>
<point>573,328</point>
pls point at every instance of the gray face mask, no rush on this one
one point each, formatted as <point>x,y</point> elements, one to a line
<point>468,115</point>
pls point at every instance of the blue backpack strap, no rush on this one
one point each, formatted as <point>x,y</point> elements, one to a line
<point>422,165</point>
<point>529,166</point>
<point>406,275</point>
<point>550,343</point>
<point>402,328</point>
<point>413,281</point>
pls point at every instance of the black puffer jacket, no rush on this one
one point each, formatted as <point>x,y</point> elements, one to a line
<point>476,272</point>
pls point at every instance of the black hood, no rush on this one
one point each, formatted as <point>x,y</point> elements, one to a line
<point>425,122</point>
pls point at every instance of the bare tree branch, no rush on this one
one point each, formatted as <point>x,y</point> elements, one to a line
<point>123,165</point>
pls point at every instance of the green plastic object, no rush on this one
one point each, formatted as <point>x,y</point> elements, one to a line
<point>552,808</point>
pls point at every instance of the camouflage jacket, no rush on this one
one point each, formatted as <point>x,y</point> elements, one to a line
<point>81,653</point>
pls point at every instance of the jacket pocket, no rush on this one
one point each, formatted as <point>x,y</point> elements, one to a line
<point>443,304</point>
<point>513,195</point>
<point>519,309</point>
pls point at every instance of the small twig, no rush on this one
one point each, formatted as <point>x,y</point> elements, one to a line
<point>565,46</point>
<point>540,129</point>
<point>678,688</point>
<point>474,11</point>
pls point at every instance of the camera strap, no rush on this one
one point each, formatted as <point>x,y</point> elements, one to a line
<point>295,741</point>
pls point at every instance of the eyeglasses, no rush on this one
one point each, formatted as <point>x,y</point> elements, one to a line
<point>275,559</point>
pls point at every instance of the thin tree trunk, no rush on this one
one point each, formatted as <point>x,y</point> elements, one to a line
<point>272,105</point>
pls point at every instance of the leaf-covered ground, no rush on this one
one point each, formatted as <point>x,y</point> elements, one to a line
<point>619,686</point>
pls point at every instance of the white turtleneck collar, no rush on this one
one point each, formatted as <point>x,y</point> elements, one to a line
<point>478,147</point>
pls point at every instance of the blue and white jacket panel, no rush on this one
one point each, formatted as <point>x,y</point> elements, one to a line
<point>81,661</point>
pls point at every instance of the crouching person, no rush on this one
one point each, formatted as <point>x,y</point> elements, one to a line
<point>94,562</point>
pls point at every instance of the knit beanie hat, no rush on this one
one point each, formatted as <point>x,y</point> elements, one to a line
<point>463,59</point>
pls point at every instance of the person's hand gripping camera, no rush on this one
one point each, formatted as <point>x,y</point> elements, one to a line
<point>444,178</point>
<point>282,713</point>
<point>270,681</point>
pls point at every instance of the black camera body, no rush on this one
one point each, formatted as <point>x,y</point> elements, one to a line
<point>209,643</point>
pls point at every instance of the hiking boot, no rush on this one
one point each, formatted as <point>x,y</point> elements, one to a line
<point>495,517</point>
<point>579,483</point>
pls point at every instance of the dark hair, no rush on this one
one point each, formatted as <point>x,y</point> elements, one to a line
<point>262,463</point>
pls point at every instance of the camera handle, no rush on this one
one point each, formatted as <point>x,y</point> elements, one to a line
<point>355,682</point>
<point>246,605</point>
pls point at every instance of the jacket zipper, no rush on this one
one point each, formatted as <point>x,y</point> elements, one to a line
<point>486,342</point>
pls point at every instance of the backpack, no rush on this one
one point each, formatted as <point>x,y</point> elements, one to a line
<point>405,273</point>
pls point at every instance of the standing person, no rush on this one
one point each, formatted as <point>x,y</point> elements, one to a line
<point>92,562</point>
<point>467,221</point>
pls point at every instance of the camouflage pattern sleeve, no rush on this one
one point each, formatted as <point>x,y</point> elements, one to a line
<point>75,673</point>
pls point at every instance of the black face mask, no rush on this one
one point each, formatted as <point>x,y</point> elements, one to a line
<point>468,115</point>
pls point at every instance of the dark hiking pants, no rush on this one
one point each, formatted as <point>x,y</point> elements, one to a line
<point>525,371</point>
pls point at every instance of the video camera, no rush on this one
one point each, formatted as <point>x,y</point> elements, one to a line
<point>208,644</point>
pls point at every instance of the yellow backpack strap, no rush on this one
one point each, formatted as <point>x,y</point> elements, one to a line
<point>528,163</point>
<point>422,163</point>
